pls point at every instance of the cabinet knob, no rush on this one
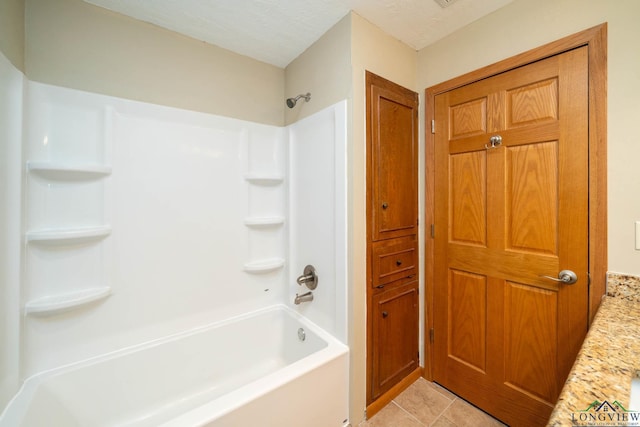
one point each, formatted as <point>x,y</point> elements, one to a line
<point>380,286</point>
<point>385,205</point>
<point>398,263</point>
<point>384,314</point>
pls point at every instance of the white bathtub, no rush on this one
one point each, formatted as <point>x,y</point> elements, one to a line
<point>248,371</point>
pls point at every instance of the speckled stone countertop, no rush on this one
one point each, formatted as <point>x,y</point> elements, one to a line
<point>607,361</point>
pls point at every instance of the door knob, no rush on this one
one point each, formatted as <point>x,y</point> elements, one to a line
<point>567,277</point>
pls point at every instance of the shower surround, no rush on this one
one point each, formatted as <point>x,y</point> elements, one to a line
<point>139,222</point>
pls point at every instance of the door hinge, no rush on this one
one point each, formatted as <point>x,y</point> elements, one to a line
<point>418,355</point>
<point>433,125</point>
<point>433,231</point>
<point>431,333</point>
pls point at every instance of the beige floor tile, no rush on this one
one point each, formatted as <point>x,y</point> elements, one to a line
<point>463,414</point>
<point>423,401</point>
<point>426,404</point>
<point>391,416</point>
<point>442,422</point>
<point>441,389</point>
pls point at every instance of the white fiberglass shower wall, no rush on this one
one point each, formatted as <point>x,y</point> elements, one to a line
<point>11,94</point>
<point>317,214</point>
<point>139,221</point>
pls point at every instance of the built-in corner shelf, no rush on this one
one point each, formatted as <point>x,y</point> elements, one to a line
<point>54,304</point>
<point>264,179</point>
<point>64,171</point>
<point>68,234</point>
<point>263,222</point>
<point>264,266</point>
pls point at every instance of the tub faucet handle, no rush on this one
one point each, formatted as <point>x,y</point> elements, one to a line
<point>309,277</point>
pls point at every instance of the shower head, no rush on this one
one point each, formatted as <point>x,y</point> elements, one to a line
<point>291,102</point>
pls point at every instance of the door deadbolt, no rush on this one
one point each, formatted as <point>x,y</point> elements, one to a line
<point>495,140</point>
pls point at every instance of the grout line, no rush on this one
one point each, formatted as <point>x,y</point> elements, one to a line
<point>441,415</point>
<point>408,413</point>
<point>438,417</point>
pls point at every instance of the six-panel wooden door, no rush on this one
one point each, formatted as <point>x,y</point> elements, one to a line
<point>507,214</point>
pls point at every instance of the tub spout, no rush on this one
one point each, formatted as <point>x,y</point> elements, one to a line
<point>303,298</point>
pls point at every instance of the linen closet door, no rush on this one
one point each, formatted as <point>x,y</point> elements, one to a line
<point>511,207</point>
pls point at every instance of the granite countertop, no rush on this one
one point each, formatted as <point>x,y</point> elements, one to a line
<point>607,362</point>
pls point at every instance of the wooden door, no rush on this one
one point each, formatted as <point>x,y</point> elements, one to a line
<point>395,337</point>
<point>505,337</point>
<point>393,134</point>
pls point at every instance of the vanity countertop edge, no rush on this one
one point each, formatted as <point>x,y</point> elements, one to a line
<point>608,360</point>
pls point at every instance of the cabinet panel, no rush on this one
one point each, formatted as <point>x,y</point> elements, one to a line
<point>393,151</point>
<point>394,260</point>
<point>395,336</point>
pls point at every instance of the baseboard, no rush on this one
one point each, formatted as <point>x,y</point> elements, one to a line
<point>393,392</point>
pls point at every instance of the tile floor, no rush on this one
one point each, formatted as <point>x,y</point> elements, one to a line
<point>425,404</point>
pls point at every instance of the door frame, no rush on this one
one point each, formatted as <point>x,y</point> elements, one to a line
<point>595,39</point>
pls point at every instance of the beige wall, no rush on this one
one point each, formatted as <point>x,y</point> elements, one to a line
<point>74,44</point>
<point>324,70</point>
<point>12,31</point>
<point>375,51</point>
<point>525,24</point>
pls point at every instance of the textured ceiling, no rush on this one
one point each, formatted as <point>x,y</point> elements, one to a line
<point>277,31</point>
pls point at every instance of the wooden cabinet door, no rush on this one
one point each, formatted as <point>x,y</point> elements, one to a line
<point>505,336</point>
<point>393,163</point>
<point>395,336</point>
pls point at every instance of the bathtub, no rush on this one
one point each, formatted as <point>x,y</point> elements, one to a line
<point>268,368</point>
